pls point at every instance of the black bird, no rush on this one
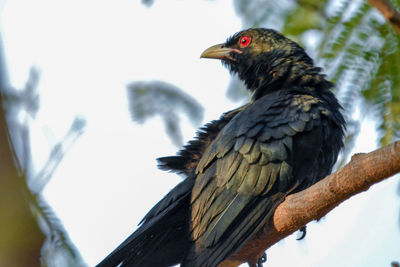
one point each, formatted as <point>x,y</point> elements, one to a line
<point>241,166</point>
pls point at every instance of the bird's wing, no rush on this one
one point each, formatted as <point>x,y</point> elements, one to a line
<point>262,154</point>
<point>188,157</point>
<point>167,222</point>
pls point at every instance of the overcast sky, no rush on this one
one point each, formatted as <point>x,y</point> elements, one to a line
<point>87,52</point>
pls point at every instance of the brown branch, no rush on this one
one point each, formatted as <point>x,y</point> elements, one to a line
<point>388,11</point>
<point>315,202</point>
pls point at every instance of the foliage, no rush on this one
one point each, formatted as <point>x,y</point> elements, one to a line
<point>21,106</point>
<point>352,41</point>
<point>358,48</point>
<point>367,52</point>
<point>147,99</point>
<point>58,250</point>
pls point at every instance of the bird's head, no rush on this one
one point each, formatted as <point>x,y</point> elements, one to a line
<point>265,60</point>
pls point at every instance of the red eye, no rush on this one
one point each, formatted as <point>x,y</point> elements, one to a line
<point>244,41</point>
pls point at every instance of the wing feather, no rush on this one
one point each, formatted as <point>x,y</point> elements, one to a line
<point>250,164</point>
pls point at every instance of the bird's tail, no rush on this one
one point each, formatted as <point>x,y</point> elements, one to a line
<point>162,239</point>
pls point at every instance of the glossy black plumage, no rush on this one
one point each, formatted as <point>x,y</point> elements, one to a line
<point>240,167</point>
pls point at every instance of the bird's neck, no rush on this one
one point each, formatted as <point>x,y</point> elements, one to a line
<point>276,73</point>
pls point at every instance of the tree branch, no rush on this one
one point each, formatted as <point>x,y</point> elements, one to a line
<point>315,202</point>
<point>388,11</point>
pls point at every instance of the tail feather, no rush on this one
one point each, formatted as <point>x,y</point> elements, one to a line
<point>163,238</point>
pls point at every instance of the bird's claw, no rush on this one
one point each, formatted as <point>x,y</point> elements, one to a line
<point>303,231</point>
<point>262,260</point>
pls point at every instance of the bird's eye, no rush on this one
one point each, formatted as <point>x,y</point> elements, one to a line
<point>244,41</point>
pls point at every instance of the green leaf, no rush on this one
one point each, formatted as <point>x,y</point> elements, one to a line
<point>305,16</point>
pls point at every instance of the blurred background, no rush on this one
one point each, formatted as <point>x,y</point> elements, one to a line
<point>92,92</point>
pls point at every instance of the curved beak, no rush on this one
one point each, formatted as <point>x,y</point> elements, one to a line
<point>217,51</point>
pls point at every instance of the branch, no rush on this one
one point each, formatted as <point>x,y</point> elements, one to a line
<point>388,11</point>
<point>316,201</point>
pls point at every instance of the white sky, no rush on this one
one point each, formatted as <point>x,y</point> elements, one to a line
<point>87,52</point>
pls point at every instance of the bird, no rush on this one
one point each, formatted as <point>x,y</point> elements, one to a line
<point>240,167</point>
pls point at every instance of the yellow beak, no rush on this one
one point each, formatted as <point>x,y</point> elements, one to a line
<point>217,51</point>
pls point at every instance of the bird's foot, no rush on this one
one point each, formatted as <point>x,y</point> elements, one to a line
<point>303,231</point>
<point>260,261</point>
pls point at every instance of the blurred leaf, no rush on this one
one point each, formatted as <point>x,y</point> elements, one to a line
<point>383,91</point>
<point>20,236</point>
<point>148,3</point>
<point>362,53</point>
<point>262,13</point>
<point>58,250</point>
<point>57,153</point>
<point>26,99</point>
<point>307,15</point>
<point>22,212</point>
<point>147,99</point>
